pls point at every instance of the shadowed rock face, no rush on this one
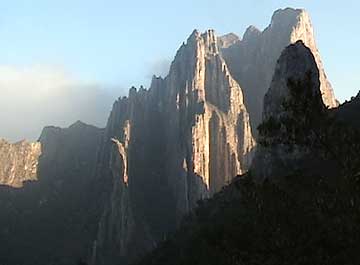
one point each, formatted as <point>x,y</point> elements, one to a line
<point>295,62</point>
<point>296,73</point>
<point>54,217</point>
<point>252,60</point>
<point>180,141</point>
<point>163,149</point>
<point>305,174</point>
<point>69,152</point>
<point>18,162</point>
<point>209,122</point>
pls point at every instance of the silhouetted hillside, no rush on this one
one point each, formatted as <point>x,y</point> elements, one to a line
<point>306,208</point>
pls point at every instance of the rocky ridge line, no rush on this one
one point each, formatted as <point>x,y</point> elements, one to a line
<point>252,60</point>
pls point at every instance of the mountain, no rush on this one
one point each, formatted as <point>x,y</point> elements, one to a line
<point>52,219</point>
<point>306,214</point>
<point>252,60</point>
<point>170,146</point>
<point>112,195</point>
<point>123,189</point>
<point>296,64</point>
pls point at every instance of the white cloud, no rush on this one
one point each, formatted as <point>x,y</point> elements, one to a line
<point>36,96</point>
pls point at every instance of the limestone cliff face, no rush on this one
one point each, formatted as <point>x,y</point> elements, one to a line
<point>125,159</point>
<point>252,60</point>
<point>209,132</point>
<point>278,157</point>
<point>121,190</point>
<point>295,62</point>
<point>60,207</point>
<point>117,222</point>
<point>167,147</point>
<point>18,162</point>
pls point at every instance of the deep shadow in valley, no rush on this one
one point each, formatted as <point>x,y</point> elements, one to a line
<point>54,220</point>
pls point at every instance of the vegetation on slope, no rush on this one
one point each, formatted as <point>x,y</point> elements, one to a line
<point>309,216</point>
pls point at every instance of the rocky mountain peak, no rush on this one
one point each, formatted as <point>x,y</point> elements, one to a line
<point>194,34</point>
<point>210,41</point>
<point>78,124</point>
<point>298,23</point>
<point>55,193</point>
<point>252,61</point>
<point>180,141</point>
<point>251,33</point>
<point>292,102</point>
<point>227,40</point>
<point>206,42</point>
<point>295,63</point>
<point>286,17</point>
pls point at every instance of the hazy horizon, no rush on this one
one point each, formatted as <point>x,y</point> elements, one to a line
<point>70,61</point>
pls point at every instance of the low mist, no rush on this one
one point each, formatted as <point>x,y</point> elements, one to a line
<point>37,96</point>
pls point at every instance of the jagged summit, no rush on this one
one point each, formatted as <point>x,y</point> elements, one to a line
<point>294,95</point>
<point>195,33</point>
<point>180,141</point>
<point>76,126</point>
<point>252,60</point>
<point>286,16</point>
<point>251,33</point>
<point>295,63</point>
<point>227,40</point>
<point>78,123</point>
<point>197,39</point>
